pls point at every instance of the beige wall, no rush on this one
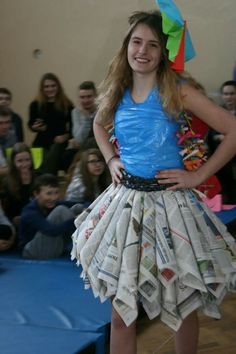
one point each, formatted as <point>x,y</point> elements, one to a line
<point>79,37</point>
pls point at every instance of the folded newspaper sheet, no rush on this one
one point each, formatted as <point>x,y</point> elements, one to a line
<point>163,249</point>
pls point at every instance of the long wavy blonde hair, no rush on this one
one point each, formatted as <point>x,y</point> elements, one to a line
<point>119,76</point>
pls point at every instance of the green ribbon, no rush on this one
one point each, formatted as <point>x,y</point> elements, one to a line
<point>175,33</point>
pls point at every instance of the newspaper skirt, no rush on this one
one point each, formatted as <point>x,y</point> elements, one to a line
<point>165,249</point>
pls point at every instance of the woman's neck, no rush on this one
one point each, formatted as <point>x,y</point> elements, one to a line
<point>142,85</point>
<point>95,179</point>
<point>231,108</point>
<point>26,177</point>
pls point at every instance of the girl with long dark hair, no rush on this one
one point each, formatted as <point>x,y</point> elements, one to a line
<point>18,183</point>
<point>50,119</point>
<point>88,177</point>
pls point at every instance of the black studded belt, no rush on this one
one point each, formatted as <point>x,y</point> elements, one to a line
<point>142,184</point>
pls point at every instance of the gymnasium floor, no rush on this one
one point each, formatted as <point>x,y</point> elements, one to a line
<point>216,336</point>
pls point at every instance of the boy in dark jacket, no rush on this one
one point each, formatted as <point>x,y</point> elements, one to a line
<point>46,224</point>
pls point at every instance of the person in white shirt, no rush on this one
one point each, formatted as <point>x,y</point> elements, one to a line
<point>82,123</point>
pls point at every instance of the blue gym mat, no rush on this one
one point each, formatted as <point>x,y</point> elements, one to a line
<point>41,296</point>
<point>227,216</point>
<point>23,339</point>
<point>45,309</point>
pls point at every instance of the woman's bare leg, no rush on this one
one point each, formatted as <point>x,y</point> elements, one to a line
<point>186,338</point>
<point>123,338</point>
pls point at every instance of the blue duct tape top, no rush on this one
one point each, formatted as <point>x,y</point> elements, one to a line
<point>146,136</point>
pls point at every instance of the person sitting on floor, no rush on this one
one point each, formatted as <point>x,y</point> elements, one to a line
<point>7,232</point>
<point>3,165</point>
<point>17,122</point>
<point>50,119</point>
<point>82,123</point>
<point>226,174</point>
<point>7,139</point>
<point>88,177</point>
<point>46,223</point>
<point>17,185</point>
<point>7,135</point>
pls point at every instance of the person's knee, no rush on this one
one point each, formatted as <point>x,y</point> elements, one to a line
<point>192,317</point>
<point>117,322</point>
<point>6,232</point>
<point>60,209</point>
<point>6,244</point>
<point>7,237</point>
<point>26,255</point>
<point>62,212</point>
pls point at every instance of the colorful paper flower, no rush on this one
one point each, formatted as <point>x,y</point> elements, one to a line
<point>179,43</point>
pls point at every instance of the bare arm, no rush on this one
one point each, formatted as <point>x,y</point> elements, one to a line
<point>217,118</point>
<point>108,150</point>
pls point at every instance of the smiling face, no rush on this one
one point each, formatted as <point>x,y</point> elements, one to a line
<point>5,125</point>
<point>23,161</point>
<point>229,96</point>
<point>144,51</point>
<point>95,165</point>
<point>47,197</point>
<point>5,100</point>
<point>50,90</point>
<point>87,99</point>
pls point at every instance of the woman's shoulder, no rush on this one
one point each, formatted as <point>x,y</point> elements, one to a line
<point>70,105</point>
<point>76,174</point>
<point>76,185</point>
<point>34,103</point>
<point>9,194</point>
<point>76,112</point>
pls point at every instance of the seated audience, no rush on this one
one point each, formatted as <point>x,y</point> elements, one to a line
<point>50,119</point>
<point>46,223</point>
<point>82,122</point>
<point>7,135</point>
<point>83,115</point>
<point>227,175</point>
<point>17,186</point>
<point>3,166</point>
<point>7,232</point>
<point>17,123</point>
<point>228,95</point>
<point>88,177</point>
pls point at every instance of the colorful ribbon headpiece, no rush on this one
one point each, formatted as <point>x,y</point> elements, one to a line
<point>179,43</point>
